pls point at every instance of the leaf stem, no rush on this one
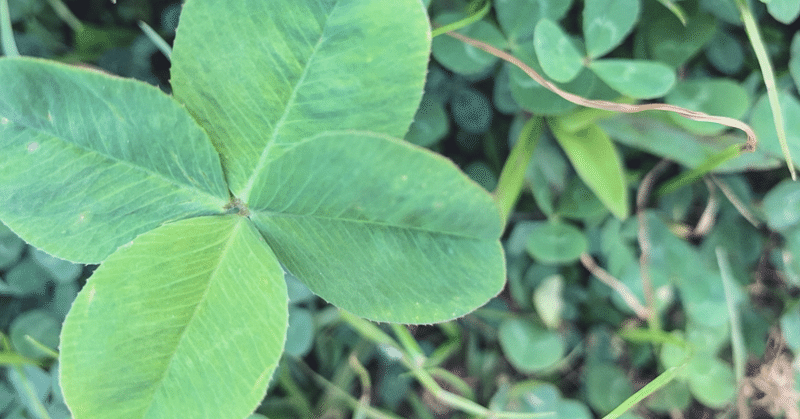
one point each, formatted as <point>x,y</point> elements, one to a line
<point>483,11</point>
<point>6,31</point>
<point>160,43</point>
<point>512,177</point>
<point>414,359</point>
<point>751,27</point>
<point>737,340</point>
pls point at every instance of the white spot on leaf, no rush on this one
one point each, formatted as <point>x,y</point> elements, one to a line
<point>4,121</point>
<point>33,147</point>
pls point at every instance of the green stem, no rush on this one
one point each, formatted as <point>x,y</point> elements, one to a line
<point>512,177</point>
<point>737,339</point>
<point>413,358</point>
<point>6,31</point>
<point>463,22</point>
<point>160,43</point>
<point>66,15</point>
<point>701,170</point>
<point>751,27</point>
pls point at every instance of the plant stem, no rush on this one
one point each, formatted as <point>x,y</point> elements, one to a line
<point>463,22</point>
<point>160,43</point>
<point>413,358</point>
<point>512,177</point>
<point>737,340</point>
<point>751,27</point>
<point>6,31</point>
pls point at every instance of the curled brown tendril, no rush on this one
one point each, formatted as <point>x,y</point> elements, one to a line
<point>750,145</point>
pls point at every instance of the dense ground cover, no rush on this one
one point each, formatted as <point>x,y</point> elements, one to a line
<point>619,269</point>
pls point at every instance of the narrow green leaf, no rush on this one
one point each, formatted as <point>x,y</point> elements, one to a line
<point>400,236</point>
<point>558,56</point>
<point>666,140</point>
<point>91,161</point>
<point>597,162</point>
<point>261,75</point>
<point>675,9</point>
<point>606,23</point>
<point>187,321</point>
<point>638,79</point>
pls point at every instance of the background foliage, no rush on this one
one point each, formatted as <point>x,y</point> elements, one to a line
<point>721,253</point>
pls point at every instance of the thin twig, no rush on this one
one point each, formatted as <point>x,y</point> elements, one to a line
<point>642,195</point>
<point>588,262</point>
<point>737,203</point>
<point>750,145</point>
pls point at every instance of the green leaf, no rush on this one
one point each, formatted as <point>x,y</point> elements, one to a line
<point>794,60</point>
<point>597,162</point>
<point>463,58</point>
<point>721,97</point>
<point>674,43</point>
<point>607,386</point>
<point>535,98</point>
<point>556,243</point>
<point>790,326</point>
<point>269,75</point>
<point>381,240</point>
<point>518,18</point>
<point>431,123</point>
<point>471,110</point>
<point>781,206</point>
<point>638,79</point>
<point>91,161</point>
<point>39,325</point>
<point>187,321</point>
<point>528,347</point>
<point>664,139</point>
<point>784,11</point>
<point>711,382</point>
<point>606,23</point>
<point>726,53</point>
<point>558,56</point>
<point>762,122</point>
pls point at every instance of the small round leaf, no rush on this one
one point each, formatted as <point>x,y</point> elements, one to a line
<point>529,347</point>
<point>638,79</point>
<point>556,243</point>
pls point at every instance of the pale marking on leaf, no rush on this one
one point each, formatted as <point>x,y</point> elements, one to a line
<point>4,121</point>
<point>92,292</point>
<point>33,147</point>
<point>49,116</point>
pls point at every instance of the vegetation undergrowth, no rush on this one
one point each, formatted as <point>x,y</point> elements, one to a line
<point>645,261</point>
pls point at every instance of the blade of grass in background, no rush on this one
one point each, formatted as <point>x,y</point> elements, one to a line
<point>751,27</point>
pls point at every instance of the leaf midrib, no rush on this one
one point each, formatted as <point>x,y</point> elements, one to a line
<point>263,160</point>
<point>212,277</point>
<point>378,224</point>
